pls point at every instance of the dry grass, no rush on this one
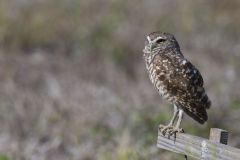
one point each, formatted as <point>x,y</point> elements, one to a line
<point>73,82</point>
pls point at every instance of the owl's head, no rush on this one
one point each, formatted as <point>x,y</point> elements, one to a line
<point>159,41</point>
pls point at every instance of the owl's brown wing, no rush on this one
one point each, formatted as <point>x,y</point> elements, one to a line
<point>184,84</point>
<point>195,101</point>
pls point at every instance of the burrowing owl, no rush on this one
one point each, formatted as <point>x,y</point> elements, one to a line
<point>175,79</point>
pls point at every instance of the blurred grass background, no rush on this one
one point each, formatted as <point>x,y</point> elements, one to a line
<point>74,84</point>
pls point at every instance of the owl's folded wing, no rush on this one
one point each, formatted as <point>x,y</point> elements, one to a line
<point>187,83</point>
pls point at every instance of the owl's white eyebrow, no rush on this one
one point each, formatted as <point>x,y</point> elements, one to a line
<point>148,38</point>
<point>158,38</point>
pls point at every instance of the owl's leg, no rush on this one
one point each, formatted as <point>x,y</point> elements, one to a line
<point>169,127</point>
<point>177,128</point>
<point>174,116</point>
<point>180,117</point>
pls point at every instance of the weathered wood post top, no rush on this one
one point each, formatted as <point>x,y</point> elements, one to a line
<point>214,148</point>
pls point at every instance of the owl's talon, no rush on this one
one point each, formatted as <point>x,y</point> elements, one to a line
<point>174,131</point>
<point>170,130</point>
<point>160,127</point>
<point>165,129</point>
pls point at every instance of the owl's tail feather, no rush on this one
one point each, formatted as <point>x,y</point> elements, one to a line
<point>206,102</point>
<point>197,110</point>
<point>200,115</point>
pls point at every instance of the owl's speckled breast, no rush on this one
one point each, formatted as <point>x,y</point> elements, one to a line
<point>155,78</point>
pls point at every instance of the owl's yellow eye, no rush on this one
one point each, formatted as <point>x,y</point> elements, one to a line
<point>160,40</point>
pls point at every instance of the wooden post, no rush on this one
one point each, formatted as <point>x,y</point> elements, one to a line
<point>200,148</point>
<point>218,135</point>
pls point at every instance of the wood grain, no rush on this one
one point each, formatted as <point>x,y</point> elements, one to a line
<point>197,147</point>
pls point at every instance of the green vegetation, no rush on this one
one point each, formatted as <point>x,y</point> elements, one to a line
<point>235,104</point>
<point>3,157</point>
